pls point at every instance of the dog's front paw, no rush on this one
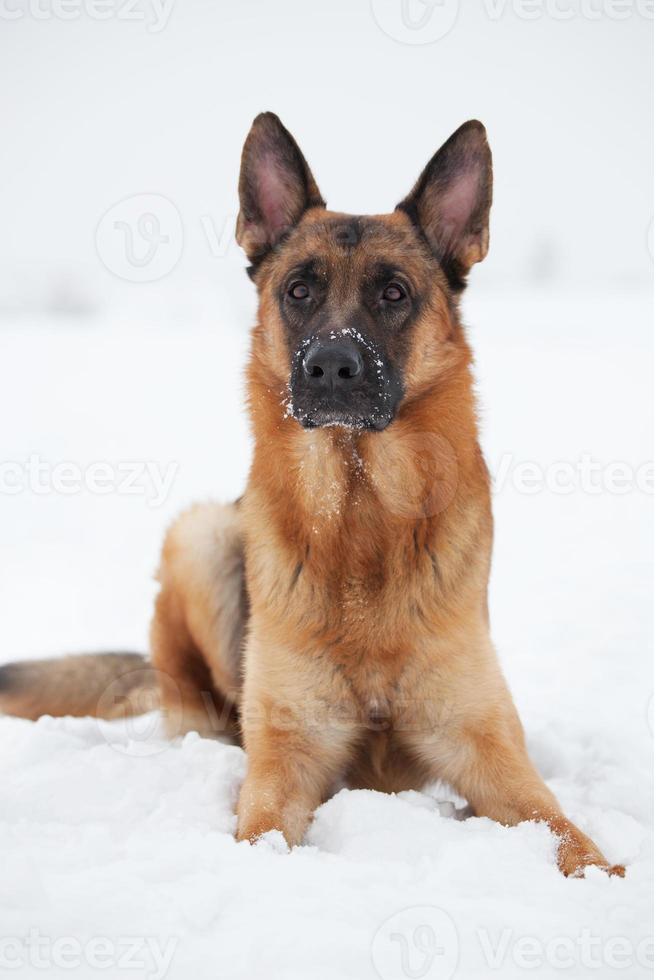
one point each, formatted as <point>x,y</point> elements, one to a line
<point>256,827</point>
<point>576,853</point>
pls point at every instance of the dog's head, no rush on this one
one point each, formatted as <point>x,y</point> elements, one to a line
<point>356,313</point>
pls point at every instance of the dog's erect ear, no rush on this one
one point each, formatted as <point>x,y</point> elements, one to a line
<point>275,187</point>
<point>451,201</point>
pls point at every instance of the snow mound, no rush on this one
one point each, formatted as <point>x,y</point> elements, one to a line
<point>118,849</point>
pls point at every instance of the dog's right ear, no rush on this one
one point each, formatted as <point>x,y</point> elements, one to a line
<point>275,187</point>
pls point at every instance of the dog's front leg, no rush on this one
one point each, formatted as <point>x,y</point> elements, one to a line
<point>479,750</point>
<point>493,771</point>
<point>289,775</point>
<point>298,729</point>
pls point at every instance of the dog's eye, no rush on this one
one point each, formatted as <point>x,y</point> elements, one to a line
<point>393,293</point>
<point>298,290</point>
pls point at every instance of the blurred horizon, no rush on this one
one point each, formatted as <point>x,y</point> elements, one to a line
<point>101,112</point>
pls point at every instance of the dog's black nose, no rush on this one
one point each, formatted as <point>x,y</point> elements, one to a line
<point>332,365</point>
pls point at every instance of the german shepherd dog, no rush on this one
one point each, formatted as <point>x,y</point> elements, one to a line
<point>335,617</point>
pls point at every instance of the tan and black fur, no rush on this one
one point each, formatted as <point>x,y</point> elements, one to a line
<point>335,618</point>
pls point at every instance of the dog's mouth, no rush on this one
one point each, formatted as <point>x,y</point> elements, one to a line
<point>324,418</point>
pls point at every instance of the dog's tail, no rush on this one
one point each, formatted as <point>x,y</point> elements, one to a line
<point>106,685</point>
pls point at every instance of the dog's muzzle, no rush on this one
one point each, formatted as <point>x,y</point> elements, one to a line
<point>337,382</point>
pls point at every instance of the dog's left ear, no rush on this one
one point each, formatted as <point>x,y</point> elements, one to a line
<point>451,201</point>
<point>275,188</point>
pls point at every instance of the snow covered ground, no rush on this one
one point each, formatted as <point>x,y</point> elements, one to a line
<point>117,850</point>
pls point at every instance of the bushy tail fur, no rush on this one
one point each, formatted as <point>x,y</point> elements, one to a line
<point>106,685</point>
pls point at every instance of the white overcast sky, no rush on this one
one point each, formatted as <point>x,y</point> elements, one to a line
<point>95,111</point>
